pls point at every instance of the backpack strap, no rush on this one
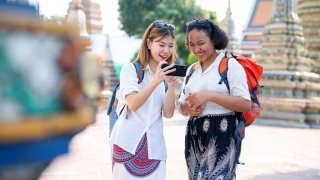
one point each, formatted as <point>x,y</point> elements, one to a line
<point>223,69</point>
<point>137,65</point>
<point>193,68</point>
<point>165,85</point>
<point>113,98</point>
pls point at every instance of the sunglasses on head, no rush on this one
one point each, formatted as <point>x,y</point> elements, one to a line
<point>161,24</point>
<point>201,21</point>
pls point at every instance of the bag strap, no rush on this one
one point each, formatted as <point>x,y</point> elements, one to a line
<point>193,68</point>
<point>254,97</point>
<point>137,65</point>
<point>165,85</point>
<point>239,135</point>
<point>113,98</point>
<point>223,69</point>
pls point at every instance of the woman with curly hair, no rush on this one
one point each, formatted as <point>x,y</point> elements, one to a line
<point>210,148</point>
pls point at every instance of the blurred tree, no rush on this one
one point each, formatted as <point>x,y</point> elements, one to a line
<point>191,59</point>
<point>135,17</point>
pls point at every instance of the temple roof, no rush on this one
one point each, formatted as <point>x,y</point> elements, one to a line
<point>254,28</point>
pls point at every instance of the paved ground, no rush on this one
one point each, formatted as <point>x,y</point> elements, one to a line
<point>269,153</point>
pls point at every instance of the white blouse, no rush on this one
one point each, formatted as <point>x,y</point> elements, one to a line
<point>209,80</point>
<point>131,126</point>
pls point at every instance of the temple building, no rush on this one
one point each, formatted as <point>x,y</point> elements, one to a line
<point>227,24</point>
<point>255,26</point>
<point>291,91</point>
<point>76,17</point>
<point>99,41</point>
<point>93,15</point>
<point>110,73</point>
<point>92,12</point>
<point>309,13</point>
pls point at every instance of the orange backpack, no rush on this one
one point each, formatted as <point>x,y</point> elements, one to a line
<point>254,72</point>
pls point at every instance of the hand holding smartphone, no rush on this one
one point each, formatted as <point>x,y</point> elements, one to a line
<point>180,71</point>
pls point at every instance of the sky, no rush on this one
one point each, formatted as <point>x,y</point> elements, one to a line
<point>109,9</point>
<point>110,14</point>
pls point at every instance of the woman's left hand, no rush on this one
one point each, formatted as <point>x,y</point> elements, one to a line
<point>171,80</point>
<point>197,99</point>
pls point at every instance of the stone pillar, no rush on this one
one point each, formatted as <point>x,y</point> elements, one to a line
<point>309,13</point>
<point>291,91</point>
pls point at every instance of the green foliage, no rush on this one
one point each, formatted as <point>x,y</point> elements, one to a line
<point>191,59</point>
<point>131,15</point>
<point>135,16</point>
<point>118,68</point>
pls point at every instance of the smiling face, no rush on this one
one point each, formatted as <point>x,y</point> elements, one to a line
<point>161,48</point>
<point>201,45</point>
<point>158,44</point>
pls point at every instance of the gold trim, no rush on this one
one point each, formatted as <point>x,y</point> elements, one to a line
<point>39,127</point>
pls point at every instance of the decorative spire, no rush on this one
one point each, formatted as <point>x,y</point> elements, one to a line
<point>227,24</point>
<point>228,13</point>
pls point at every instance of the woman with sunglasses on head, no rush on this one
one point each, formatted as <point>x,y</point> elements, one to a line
<point>138,145</point>
<point>210,149</point>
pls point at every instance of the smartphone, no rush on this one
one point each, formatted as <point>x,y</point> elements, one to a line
<point>180,71</point>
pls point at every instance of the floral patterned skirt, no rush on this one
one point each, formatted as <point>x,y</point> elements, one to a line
<point>210,147</point>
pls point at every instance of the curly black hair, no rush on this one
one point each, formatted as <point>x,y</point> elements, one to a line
<point>216,34</point>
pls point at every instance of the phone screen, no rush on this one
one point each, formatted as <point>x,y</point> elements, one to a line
<point>180,71</point>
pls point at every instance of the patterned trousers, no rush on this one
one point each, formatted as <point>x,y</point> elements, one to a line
<point>210,149</point>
